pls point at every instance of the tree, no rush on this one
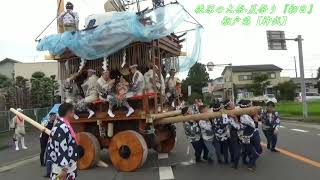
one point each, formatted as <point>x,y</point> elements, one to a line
<point>4,81</point>
<point>7,87</point>
<point>21,82</point>
<point>42,89</point>
<point>287,90</point>
<point>260,83</point>
<point>318,75</point>
<point>197,78</point>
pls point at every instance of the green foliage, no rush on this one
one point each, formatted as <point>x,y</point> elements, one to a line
<point>21,82</point>
<point>4,81</point>
<point>42,90</point>
<point>197,78</point>
<point>260,83</point>
<point>287,90</point>
<point>291,108</point>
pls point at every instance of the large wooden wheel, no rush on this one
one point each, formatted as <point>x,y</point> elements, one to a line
<point>128,151</point>
<point>91,150</point>
<point>167,145</point>
<point>165,139</point>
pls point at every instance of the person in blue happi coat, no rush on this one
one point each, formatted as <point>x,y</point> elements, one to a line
<point>221,133</point>
<point>193,133</point>
<point>270,126</point>
<point>250,136</point>
<point>234,127</point>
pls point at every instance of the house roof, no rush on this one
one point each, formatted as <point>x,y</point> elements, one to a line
<point>6,60</point>
<point>253,68</point>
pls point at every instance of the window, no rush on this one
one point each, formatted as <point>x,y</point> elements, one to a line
<point>245,77</point>
<point>272,75</point>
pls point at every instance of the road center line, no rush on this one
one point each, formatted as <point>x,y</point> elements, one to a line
<point>282,127</point>
<point>297,157</point>
<point>166,173</point>
<point>299,130</point>
<point>18,164</point>
<point>163,156</point>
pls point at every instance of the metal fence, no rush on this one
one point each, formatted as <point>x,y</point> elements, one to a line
<point>36,114</point>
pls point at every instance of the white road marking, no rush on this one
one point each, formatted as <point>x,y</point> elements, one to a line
<point>18,164</point>
<point>188,150</point>
<point>299,130</point>
<point>282,127</point>
<point>318,134</point>
<point>166,173</point>
<point>163,156</point>
<point>187,163</point>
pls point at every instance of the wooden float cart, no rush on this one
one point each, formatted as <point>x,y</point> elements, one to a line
<point>127,138</point>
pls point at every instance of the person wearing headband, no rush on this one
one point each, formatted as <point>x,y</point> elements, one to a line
<point>250,137</point>
<point>17,123</point>
<point>234,126</point>
<point>270,126</point>
<point>193,133</point>
<point>69,18</point>
<point>221,132</point>
<point>171,88</point>
<point>207,134</point>
<point>138,84</point>
<point>153,82</point>
<point>89,87</point>
<point>106,90</point>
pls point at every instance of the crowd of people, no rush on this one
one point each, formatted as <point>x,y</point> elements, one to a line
<point>226,139</point>
<point>229,138</point>
<point>116,91</point>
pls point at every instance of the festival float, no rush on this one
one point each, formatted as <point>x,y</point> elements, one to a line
<point>113,41</point>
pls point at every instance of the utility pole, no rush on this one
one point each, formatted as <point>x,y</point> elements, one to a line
<point>295,66</point>
<point>277,41</point>
<point>302,81</point>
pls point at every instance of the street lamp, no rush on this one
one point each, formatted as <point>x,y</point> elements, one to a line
<point>211,65</point>
<point>277,41</point>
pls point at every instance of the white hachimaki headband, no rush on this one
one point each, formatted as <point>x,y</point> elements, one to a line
<point>227,104</point>
<point>216,109</point>
<point>245,105</point>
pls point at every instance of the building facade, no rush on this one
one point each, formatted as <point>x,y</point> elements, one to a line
<point>214,88</point>
<point>237,78</point>
<point>27,69</point>
<point>7,67</point>
<point>311,85</point>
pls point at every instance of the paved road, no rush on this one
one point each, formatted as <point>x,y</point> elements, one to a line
<point>300,160</point>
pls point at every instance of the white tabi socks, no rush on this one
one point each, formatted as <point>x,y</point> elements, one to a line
<point>17,145</point>
<point>110,113</point>
<point>131,111</point>
<point>76,117</point>
<point>22,143</point>
<point>91,113</point>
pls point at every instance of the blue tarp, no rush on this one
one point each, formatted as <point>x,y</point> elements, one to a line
<point>54,109</point>
<point>119,30</point>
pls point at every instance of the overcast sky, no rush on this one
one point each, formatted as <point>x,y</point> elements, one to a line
<point>23,20</point>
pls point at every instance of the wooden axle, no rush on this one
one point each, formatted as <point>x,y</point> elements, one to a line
<point>207,116</point>
<point>153,117</point>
